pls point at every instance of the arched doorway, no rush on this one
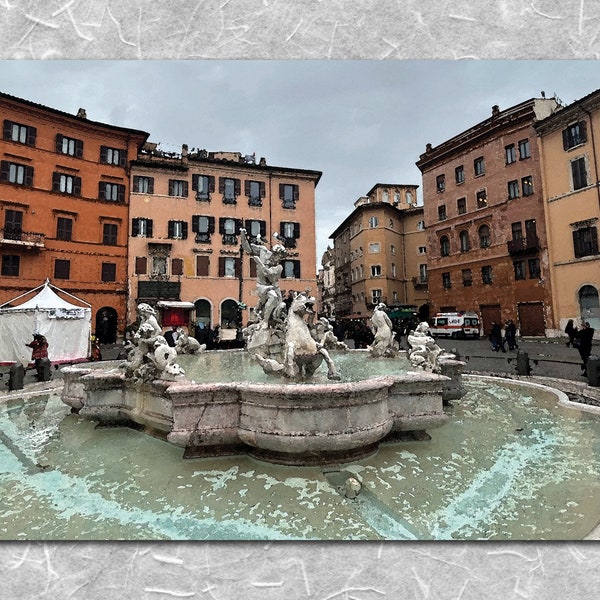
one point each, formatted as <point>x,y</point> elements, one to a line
<point>589,305</point>
<point>203,312</point>
<point>106,325</point>
<point>230,323</point>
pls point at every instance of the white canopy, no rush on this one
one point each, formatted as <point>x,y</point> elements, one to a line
<point>66,326</point>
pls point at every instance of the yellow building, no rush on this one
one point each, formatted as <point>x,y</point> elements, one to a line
<point>570,147</point>
<point>186,214</point>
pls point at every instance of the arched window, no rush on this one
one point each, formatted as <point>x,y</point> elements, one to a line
<point>444,245</point>
<point>484,236</point>
<point>464,241</point>
<point>589,305</point>
<point>373,222</point>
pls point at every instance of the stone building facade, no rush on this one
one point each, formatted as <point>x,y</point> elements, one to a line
<point>64,205</point>
<point>570,145</point>
<point>484,214</point>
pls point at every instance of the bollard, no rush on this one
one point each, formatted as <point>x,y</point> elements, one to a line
<point>523,367</point>
<point>44,369</point>
<point>16,375</point>
<point>593,370</point>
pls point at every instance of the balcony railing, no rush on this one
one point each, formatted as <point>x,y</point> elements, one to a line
<point>419,283</point>
<point>17,237</point>
<point>526,244</point>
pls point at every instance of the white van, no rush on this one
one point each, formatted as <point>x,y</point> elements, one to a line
<point>455,325</point>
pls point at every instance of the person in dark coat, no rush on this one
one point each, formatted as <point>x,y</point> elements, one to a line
<point>510,335</point>
<point>496,337</point>
<point>171,336</point>
<point>584,338</point>
<point>571,331</point>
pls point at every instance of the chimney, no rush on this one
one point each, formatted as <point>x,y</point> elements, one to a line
<point>495,110</point>
<point>184,154</point>
<point>81,114</point>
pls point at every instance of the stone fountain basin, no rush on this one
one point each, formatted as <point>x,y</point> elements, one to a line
<point>294,423</point>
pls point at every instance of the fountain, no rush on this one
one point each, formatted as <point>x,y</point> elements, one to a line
<point>293,417</point>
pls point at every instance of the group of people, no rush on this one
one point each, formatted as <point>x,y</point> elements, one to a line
<point>581,339</point>
<point>500,340</point>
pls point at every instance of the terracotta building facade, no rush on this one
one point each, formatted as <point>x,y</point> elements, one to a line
<point>64,206</point>
<point>570,145</point>
<point>380,252</point>
<point>186,215</point>
<point>484,213</point>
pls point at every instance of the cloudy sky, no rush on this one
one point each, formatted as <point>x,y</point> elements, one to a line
<point>359,122</point>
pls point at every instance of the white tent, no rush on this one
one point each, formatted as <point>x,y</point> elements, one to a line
<point>66,326</point>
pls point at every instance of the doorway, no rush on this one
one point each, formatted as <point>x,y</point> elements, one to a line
<point>106,325</point>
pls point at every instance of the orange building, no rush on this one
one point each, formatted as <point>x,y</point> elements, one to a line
<point>185,247</point>
<point>64,191</point>
<point>570,147</point>
<point>484,215</point>
<point>380,253</point>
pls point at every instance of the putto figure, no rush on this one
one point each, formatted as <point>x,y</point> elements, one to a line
<point>384,343</point>
<point>424,354</point>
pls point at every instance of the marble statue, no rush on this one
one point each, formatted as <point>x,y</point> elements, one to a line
<point>186,344</point>
<point>424,354</point>
<point>384,343</point>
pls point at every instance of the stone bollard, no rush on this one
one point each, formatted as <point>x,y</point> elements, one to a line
<point>44,369</point>
<point>16,375</point>
<point>593,370</point>
<point>523,366</point>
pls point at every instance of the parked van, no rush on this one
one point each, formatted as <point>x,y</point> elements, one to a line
<point>455,325</point>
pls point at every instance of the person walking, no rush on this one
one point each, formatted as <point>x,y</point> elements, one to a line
<point>571,331</point>
<point>510,335</point>
<point>39,352</point>
<point>584,345</point>
<point>496,337</point>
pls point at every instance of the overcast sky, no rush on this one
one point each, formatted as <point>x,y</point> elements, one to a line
<point>359,122</point>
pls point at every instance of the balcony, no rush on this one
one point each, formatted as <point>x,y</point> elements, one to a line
<point>419,283</point>
<point>526,244</point>
<point>10,236</point>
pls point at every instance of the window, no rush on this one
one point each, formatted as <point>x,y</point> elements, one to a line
<point>534,268</point>
<point>203,226</point>
<point>465,245</point>
<point>393,269</point>
<point>109,272</point>
<point>422,273</point>
<point>517,231</point>
<point>69,146</point>
<point>177,230</point>
<point>16,173</point>
<point>524,151</point>
<point>481,199</point>
<point>109,234</point>
<point>229,228</point>
<point>373,222</point>
<point>62,269</point>
<point>113,156</point>
<point>203,185</point>
<point>202,265</point>
<point>444,246</point>
<point>178,188</point>
<point>10,265</point>
<point>288,194</point>
<point>141,265</point>
<point>115,192</point>
<point>392,249</point>
<point>422,250</point>
<point>579,173</point>
<point>461,206</point>
<point>486,274</point>
<point>484,236</point>
<point>255,191</point>
<point>289,232</point>
<point>230,188</point>
<point>446,281</point>
<point>585,241</point>
<point>459,174</point>
<point>374,247</point>
<point>421,225</point>
<point>177,266</point>
<point>531,229</point>
<point>259,228</point>
<point>13,224</point>
<point>513,189</point>
<point>291,269</point>
<point>143,185</point>
<point>467,277</point>
<point>159,265</point>
<point>527,185</point>
<point>510,154</point>
<point>440,183</point>
<point>228,266</point>
<point>409,197</point>
<point>479,166</point>
<point>519,268</point>
<point>375,270</point>
<point>574,135</point>
<point>141,227</point>
<point>442,216</point>
<point>66,184</point>
<point>15,132</point>
<point>376,296</point>
<point>64,228</point>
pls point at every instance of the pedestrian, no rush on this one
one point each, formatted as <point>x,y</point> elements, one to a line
<point>39,351</point>
<point>171,336</point>
<point>510,334</point>
<point>496,337</point>
<point>584,345</point>
<point>571,331</point>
